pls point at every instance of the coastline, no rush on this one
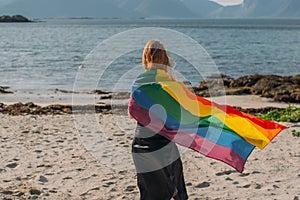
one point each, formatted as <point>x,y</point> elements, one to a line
<point>66,145</point>
<point>251,104</point>
<point>252,91</point>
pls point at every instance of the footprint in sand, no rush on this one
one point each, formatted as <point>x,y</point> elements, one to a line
<point>257,186</point>
<point>244,175</point>
<point>229,179</point>
<point>256,172</point>
<point>12,165</point>
<point>225,173</point>
<point>203,185</point>
<point>43,179</point>
<point>130,188</point>
<point>34,191</point>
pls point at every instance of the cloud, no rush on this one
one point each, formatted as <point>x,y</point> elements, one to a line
<point>228,2</point>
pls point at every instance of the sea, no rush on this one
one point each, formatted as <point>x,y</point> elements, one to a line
<point>50,54</point>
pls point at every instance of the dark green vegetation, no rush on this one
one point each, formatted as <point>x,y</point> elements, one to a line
<point>296,133</point>
<point>290,114</point>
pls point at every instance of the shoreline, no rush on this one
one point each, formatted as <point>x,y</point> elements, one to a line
<point>251,104</point>
<point>272,89</point>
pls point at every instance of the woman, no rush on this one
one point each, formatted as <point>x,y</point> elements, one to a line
<point>157,160</point>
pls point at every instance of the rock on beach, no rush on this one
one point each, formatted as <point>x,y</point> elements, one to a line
<point>280,88</point>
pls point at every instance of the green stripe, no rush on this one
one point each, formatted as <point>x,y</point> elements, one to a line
<point>176,111</point>
<point>148,76</point>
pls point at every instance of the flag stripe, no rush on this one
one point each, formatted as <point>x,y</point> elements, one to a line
<point>232,117</point>
<point>224,138</point>
<point>218,131</point>
<point>171,123</point>
<point>174,97</point>
<point>235,156</point>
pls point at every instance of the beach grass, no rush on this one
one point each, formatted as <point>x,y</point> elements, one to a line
<point>289,114</point>
<point>295,133</point>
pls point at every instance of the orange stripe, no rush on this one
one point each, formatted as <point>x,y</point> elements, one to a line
<point>256,131</point>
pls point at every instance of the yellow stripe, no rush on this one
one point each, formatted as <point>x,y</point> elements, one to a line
<point>242,126</point>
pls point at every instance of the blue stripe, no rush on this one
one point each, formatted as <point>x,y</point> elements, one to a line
<point>223,138</point>
<point>213,134</point>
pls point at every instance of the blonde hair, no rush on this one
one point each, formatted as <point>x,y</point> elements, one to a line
<point>155,56</point>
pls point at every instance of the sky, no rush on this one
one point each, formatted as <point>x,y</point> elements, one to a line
<point>3,2</point>
<point>228,2</point>
<point>223,2</point>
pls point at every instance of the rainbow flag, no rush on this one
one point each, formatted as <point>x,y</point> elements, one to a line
<point>221,132</point>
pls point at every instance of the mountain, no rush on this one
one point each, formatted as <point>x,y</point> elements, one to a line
<point>202,8</point>
<point>159,8</point>
<point>261,9</point>
<point>228,12</point>
<point>151,9</point>
<point>65,8</point>
<point>127,4</point>
<point>292,9</point>
<point>98,8</point>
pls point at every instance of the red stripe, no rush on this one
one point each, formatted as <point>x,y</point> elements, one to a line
<point>266,124</point>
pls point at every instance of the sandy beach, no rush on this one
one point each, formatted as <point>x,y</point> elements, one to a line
<point>67,76</point>
<point>88,156</point>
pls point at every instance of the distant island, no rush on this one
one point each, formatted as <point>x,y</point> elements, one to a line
<point>14,18</point>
